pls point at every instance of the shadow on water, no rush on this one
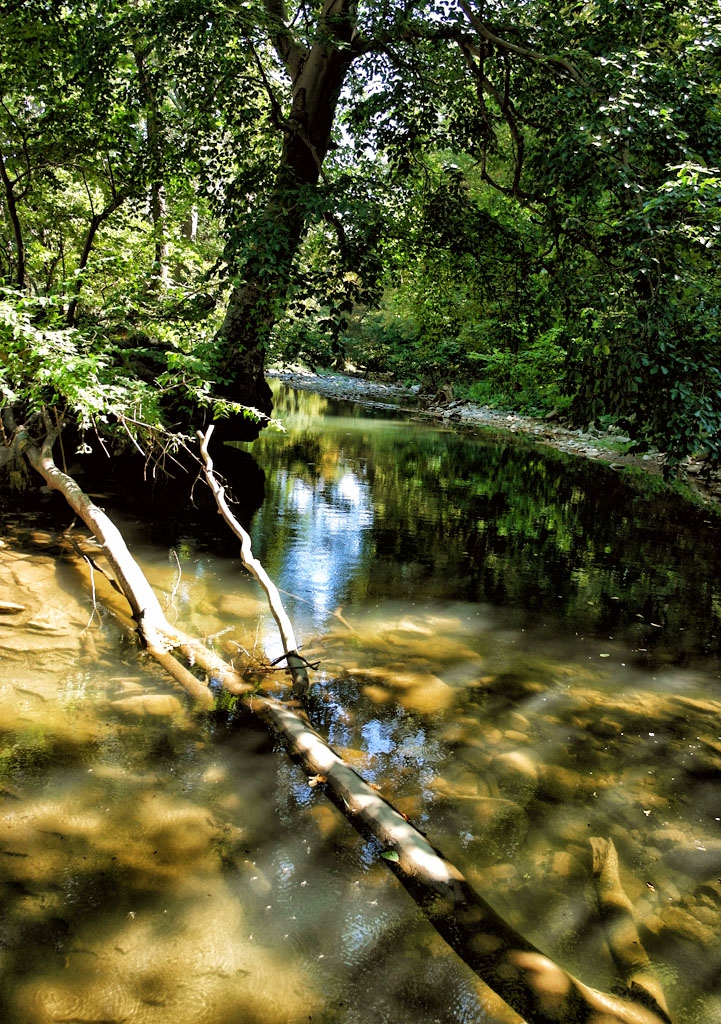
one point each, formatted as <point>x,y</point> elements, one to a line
<point>520,650</point>
<point>166,498</point>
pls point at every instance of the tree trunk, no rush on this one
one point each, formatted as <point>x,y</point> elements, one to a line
<point>9,187</point>
<point>156,164</point>
<point>317,77</point>
<point>96,221</point>
<point>159,213</point>
<point>190,226</point>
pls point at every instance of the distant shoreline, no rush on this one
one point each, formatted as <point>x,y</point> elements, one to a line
<point>596,445</point>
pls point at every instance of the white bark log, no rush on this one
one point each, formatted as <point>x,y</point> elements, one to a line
<point>157,633</point>
<point>296,663</point>
<point>532,984</point>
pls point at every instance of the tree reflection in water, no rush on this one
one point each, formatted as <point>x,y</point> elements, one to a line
<point>425,513</point>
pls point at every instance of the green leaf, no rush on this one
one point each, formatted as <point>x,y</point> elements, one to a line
<point>390,855</point>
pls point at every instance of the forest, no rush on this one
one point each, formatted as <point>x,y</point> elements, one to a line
<point>516,203</point>
<point>520,201</point>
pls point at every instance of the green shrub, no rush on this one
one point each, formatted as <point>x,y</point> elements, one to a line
<point>530,380</point>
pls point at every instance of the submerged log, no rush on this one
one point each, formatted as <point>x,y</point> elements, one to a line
<point>624,942</point>
<point>530,982</point>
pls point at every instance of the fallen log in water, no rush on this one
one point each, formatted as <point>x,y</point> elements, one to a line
<point>157,634</point>
<point>532,984</point>
<point>296,663</point>
<point>624,942</point>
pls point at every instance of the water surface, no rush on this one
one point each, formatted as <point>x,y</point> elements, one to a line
<point>520,649</point>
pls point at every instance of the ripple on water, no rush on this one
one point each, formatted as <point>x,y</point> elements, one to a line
<point>195,965</point>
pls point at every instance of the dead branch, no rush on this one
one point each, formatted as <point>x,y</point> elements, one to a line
<point>296,663</point>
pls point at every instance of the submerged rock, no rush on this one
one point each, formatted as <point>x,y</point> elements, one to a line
<point>161,705</point>
<point>516,775</point>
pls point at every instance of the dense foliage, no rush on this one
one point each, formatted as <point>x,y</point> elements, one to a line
<point>521,200</point>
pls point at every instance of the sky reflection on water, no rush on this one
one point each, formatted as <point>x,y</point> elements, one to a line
<point>326,521</point>
<point>364,508</point>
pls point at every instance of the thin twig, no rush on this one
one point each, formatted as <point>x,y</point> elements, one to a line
<point>95,607</point>
<point>176,584</point>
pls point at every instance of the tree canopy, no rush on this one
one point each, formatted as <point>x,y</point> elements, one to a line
<point>519,199</point>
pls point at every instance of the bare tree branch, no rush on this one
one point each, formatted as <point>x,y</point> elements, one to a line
<point>559,63</point>
<point>296,663</point>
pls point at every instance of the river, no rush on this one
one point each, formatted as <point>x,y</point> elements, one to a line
<point>519,648</point>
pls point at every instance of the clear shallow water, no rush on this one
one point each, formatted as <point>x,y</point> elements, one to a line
<point>519,649</point>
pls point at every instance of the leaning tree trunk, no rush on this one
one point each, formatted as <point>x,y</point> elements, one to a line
<point>157,634</point>
<point>118,197</point>
<point>317,76</point>
<point>155,140</point>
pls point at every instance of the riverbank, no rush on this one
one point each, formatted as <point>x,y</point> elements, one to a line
<point>591,444</point>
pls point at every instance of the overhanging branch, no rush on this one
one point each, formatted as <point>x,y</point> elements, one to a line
<point>557,63</point>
